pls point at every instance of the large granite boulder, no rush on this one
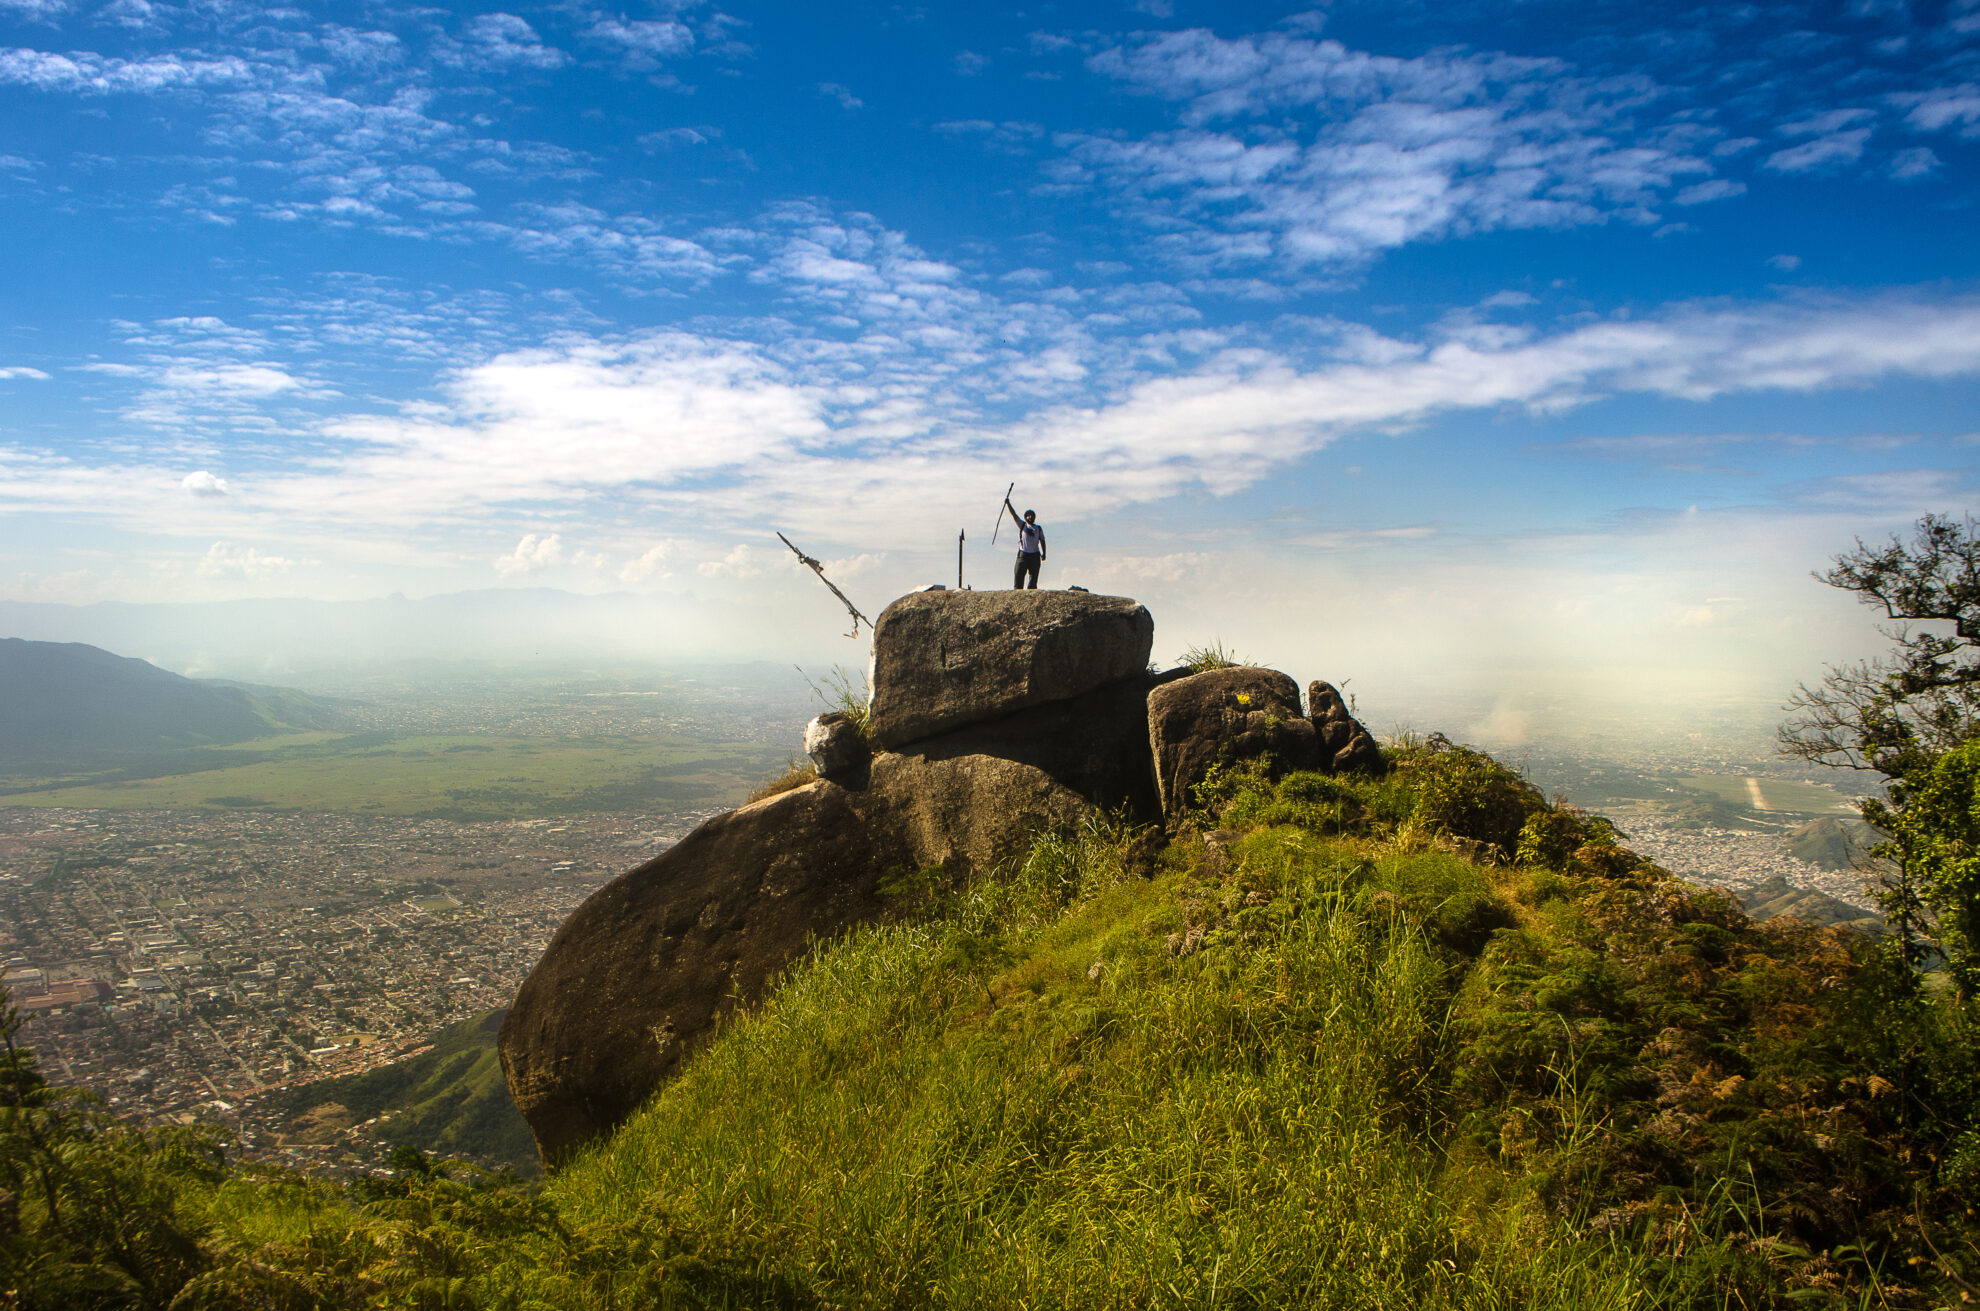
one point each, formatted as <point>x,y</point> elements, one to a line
<point>963,812</point>
<point>1095,744</point>
<point>1225,717</point>
<point>653,958</point>
<point>1344,743</point>
<point>942,660</point>
<point>649,963</point>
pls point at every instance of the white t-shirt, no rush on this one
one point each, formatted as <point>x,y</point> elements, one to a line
<point>1031,539</point>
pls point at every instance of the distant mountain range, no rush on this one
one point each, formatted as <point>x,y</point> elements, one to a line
<point>68,705</point>
<point>295,639</point>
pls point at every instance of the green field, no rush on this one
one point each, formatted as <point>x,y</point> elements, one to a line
<point>448,777</point>
<point>1783,796</point>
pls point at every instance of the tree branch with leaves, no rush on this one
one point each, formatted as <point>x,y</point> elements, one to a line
<point>1905,713</point>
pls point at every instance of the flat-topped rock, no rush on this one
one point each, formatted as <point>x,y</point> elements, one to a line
<point>945,659</point>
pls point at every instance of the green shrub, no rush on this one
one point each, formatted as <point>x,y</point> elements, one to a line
<point>1464,793</point>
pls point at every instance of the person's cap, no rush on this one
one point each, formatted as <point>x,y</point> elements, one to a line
<point>1031,512</point>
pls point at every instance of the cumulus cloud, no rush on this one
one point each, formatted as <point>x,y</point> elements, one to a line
<point>740,562</point>
<point>13,371</point>
<point>650,563</point>
<point>204,485</point>
<point>498,41</point>
<point>535,551</point>
<point>651,39</point>
<point>226,560</point>
<point>104,75</point>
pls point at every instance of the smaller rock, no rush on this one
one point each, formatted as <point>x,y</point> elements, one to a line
<point>1096,970</point>
<point>1344,743</point>
<point>834,743</point>
<point>1225,717</point>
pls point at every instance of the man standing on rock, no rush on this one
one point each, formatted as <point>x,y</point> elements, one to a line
<point>1031,547</point>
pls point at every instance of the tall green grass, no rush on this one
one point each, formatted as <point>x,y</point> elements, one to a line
<point>1414,1041</point>
<point>1023,1103</point>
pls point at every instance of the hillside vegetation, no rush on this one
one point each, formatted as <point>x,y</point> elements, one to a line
<point>1417,1041</point>
<point>448,1099</point>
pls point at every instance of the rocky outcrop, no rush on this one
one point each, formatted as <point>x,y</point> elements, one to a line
<point>1223,717</point>
<point>999,715</point>
<point>1344,744</point>
<point>650,960</point>
<point>835,745</point>
<point>1096,744</point>
<point>945,659</point>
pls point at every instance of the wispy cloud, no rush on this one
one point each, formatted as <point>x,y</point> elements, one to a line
<point>746,435</point>
<point>1337,155</point>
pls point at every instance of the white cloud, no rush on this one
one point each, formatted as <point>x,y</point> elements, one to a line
<point>811,435</point>
<point>1915,162</point>
<point>847,100</point>
<point>1785,263</point>
<point>654,40</point>
<point>14,371</point>
<point>1400,150</point>
<point>1832,151</point>
<point>36,11</point>
<point>103,75</point>
<point>650,563</point>
<point>498,41</point>
<point>1955,108</point>
<point>562,423</point>
<point>535,551</point>
<point>204,484</point>
<point>1827,123</point>
<point>740,562</point>
<point>1714,189</point>
<point>225,560</point>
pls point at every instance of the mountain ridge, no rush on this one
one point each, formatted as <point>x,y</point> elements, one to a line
<point>71,703</point>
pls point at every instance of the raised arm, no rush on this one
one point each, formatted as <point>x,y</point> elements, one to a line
<point>1012,510</point>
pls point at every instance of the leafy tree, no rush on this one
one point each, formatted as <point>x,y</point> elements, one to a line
<point>1903,716</point>
<point>1897,714</point>
<point>1936,836</point>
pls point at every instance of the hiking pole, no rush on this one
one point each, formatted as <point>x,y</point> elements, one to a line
<point>819,569</point>
<point>1000,513</point>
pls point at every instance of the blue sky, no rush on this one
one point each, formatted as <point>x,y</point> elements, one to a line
<point>1525,336</point>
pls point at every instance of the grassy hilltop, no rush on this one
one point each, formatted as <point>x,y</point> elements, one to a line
<point>1421,1041</point>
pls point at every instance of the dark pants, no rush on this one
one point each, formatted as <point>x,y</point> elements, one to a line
<point>1027,567</point>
